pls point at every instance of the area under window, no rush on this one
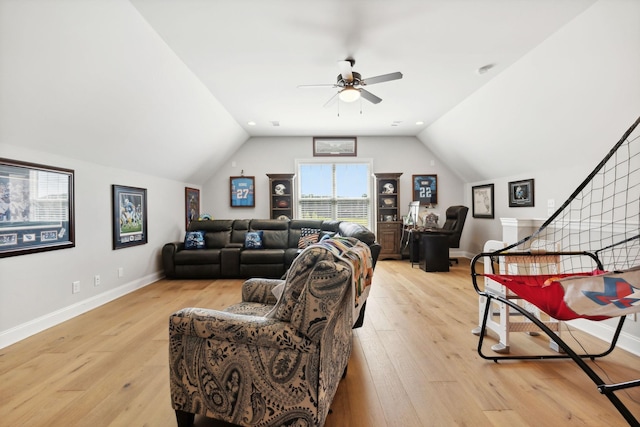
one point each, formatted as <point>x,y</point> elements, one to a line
<point>335,191</point>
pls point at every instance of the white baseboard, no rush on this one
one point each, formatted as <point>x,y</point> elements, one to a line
<point>628,342</point>
<point>32,327</point>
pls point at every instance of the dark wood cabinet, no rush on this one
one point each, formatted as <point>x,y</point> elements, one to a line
<point>281,195</point>
<point>388,218</point>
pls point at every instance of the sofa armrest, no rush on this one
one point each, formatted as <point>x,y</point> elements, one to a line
<point>260,290</point>
<point>169,251</point>
<point>237,328</point>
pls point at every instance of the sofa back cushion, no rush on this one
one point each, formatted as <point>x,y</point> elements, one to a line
<point>239,230</point>
<point>275,233</point>
<point>217,232</point>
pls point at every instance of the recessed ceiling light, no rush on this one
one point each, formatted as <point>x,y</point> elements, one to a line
<point>252,123</point>
<point>420,123</point>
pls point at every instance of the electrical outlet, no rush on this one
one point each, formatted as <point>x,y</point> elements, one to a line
<point>75,287</point>
<point>121,272</point>
<point>96,280</point>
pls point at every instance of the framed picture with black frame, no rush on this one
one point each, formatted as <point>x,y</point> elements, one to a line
<point>192,205</point>
<point>129,211</point>
<point>334,146</point>
<point>425,189</point>
<point>36,208</point>
<point>242,191</point>
<point>521,193</point>
<point>482,201</point>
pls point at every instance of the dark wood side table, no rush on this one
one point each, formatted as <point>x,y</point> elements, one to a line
<point>434,252</point>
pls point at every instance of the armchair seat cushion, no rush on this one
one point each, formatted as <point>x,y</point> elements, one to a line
<point>199,257</point>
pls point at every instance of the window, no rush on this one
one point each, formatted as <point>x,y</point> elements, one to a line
<point>338,191</point>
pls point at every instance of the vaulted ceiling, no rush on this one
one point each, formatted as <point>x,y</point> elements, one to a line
<point>140,84</point>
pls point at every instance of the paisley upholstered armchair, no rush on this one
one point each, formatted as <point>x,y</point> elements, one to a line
<point>267,362</point>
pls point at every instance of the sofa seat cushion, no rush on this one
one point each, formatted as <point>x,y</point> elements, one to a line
<point>262,256</point>
<point>199,257</point>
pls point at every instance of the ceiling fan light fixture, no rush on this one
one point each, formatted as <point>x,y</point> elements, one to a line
<point>349,94</point>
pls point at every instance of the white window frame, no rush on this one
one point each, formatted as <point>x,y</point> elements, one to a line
<point>337,160</point>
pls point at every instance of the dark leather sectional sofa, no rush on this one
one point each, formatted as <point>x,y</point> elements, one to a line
<point>225,254</point>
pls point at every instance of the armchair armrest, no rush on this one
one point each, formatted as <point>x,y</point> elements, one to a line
<point>260,290</point>
<point>239,329</point>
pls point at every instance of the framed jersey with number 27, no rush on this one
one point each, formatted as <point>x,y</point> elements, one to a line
<point>242,191</point>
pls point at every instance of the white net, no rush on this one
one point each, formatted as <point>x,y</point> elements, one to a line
<point>602,216</point>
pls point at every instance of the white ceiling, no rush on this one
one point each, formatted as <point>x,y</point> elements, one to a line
<point>167,87</point>
<point>252,55</point>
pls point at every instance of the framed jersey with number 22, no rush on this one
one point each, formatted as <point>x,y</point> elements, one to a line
<point>242,191</point>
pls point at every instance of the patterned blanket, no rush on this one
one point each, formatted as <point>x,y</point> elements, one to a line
<point>358,255</point>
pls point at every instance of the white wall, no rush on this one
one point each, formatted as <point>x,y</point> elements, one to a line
<point>579,89</point>
<point>259,156</point>
<point>35,289</point>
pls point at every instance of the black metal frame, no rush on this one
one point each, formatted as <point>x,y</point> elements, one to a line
<point>607,389</point>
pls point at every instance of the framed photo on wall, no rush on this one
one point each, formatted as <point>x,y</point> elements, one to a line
<point>192,205</point>
<point>521,193</point>
<point>425,189</point>
<point>482,201</point>
<point>335,146</point>
<point>242,191</point>
<point>36,208</point>
<point>129,210</point>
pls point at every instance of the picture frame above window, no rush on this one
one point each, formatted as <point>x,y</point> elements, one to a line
<point>482,201</point>
<point>425,189</point>
<point>36,208</point>
<point>129,211</point>
<point>242,191</point>
<point>192,205</point>
<point>346,146</point>
<point>521,193</point>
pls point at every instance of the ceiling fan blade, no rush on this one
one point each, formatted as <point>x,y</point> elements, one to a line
<point>318,85</point>
<point>345,70</point>
<point>370,97</point>
<point>383,78</point>
<point>331,100</point>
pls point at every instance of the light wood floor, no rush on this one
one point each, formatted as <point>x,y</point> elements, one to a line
<point>414,363</point>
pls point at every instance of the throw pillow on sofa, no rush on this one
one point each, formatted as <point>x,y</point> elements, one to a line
<point>194,240</point>
<point>253,240</point>
<point>308,236</point>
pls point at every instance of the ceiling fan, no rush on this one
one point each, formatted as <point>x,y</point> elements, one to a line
<point>351,84</point>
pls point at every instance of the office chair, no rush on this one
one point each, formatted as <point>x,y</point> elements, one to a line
<point>452,227</point>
